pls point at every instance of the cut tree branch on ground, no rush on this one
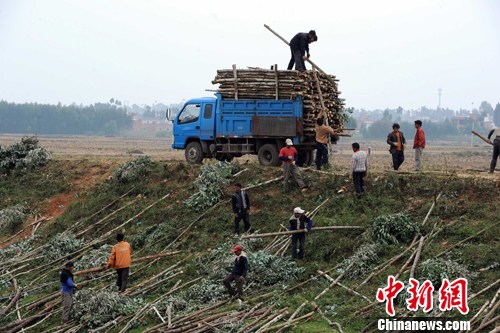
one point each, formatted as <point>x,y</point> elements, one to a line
<point>151,257</point>
<point>301,231</point>
<point>329,278</point>
<point>417,257</point>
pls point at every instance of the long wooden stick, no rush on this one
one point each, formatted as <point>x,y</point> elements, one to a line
<point>329,278</point>
<point>417,257</point>
<point>93,225</point>
<point>301,231</point>
<point>306,59</point>
<point>263,183</point>
<point>466,239</point>
<point>385,265</point>
<point>482,137</point>
<point>154,256</point>
<point>96,241</point>
<point>431,209</point>
<point>484,290</point>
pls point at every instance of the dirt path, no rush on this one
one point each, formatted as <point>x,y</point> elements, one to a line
<point>57,205</point>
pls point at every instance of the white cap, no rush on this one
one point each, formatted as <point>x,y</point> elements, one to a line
<point>298,210</point>
<point>289,142</point>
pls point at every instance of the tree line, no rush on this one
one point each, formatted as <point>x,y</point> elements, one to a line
<point>446,127</point>
<point>95,119</point>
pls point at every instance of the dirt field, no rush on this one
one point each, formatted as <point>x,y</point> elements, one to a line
<point>438,156</point>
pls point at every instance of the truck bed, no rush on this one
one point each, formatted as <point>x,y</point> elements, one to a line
<point>259,118</point>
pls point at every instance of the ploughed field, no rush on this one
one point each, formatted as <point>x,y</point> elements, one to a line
<point>440,156</point>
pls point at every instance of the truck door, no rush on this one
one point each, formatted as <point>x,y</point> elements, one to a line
<point>207,121</point>
<point>187,125</point>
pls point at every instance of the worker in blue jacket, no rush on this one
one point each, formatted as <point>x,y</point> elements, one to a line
<point>238,273</point>
<point>299,46</point>
<point>68,287</point>
<point>298,221</point>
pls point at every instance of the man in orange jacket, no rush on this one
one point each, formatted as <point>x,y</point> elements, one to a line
<point>120,260</point>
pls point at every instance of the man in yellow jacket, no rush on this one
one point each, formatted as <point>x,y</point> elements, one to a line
<point>322,133</point>
<point>120,260</point>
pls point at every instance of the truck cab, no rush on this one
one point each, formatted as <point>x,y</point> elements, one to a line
<point>194,124</point>
<point>226,128</point>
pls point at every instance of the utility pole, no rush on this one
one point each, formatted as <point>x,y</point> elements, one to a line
<point>472,136</point>
<point>439,102</point>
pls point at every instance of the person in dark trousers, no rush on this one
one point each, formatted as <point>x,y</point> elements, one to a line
<point>299,46</point>
<point>289,156</point>
<point>322,133</point>
<point>495,135</point>
<point>397,142</point>
<point>298,221</point>
<point>419,144</point>
<point>241,208</point>
<point>238,273</point>
<point>359,167</point>
<point>68,287</point>
<point>120,259</point>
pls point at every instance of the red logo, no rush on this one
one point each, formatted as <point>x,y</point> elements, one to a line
<point>451,295</point>
<point>454,295</point>
<point>394,287</point>
<point>420,296</point>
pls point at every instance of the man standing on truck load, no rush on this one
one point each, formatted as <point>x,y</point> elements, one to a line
<point>419,144</point>
<point>397,142</point>
<point>495,135</point>
<point>322,133</point>
<point>299,45</point>
<point>298,221</point>
<point>241,207</point>
<point>120,260</point>
<point>289,156</point>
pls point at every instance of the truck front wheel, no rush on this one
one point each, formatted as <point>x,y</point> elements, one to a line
<point>194,153</point>
<point>268,155</point>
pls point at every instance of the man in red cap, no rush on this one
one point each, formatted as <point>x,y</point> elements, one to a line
<point>238,273</point>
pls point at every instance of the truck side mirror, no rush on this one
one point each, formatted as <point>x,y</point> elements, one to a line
<point>168,114</point>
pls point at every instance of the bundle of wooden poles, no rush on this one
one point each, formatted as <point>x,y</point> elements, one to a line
<point>319,93</point>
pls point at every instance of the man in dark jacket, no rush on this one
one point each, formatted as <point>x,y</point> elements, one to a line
<point>298,221</point>
<point>397,142</point>
<point>299,45</point>
<point>68,287</point>
<point>241,207</point>
<point>495,136</point>
<point>238,273</point>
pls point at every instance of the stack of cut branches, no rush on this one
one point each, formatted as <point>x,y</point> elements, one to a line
<point>318,97</point>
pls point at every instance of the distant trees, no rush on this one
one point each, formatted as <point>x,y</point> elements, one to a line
<point>486,108</point>
<point>379,129</point>
<point>496,117</point>
<point>97,119</point>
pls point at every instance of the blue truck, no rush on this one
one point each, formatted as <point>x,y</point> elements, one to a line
<point>213,127</point>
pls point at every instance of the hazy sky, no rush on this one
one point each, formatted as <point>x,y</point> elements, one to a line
<point>385,53</point>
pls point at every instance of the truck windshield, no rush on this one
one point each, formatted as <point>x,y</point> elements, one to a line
<point>189,114</point>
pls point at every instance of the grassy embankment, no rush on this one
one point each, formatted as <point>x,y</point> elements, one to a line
<point>466,207</point>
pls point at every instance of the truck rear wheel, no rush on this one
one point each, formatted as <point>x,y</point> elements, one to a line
<point>305,158</point>
<point>268,155</point>
<point>194,153</point>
